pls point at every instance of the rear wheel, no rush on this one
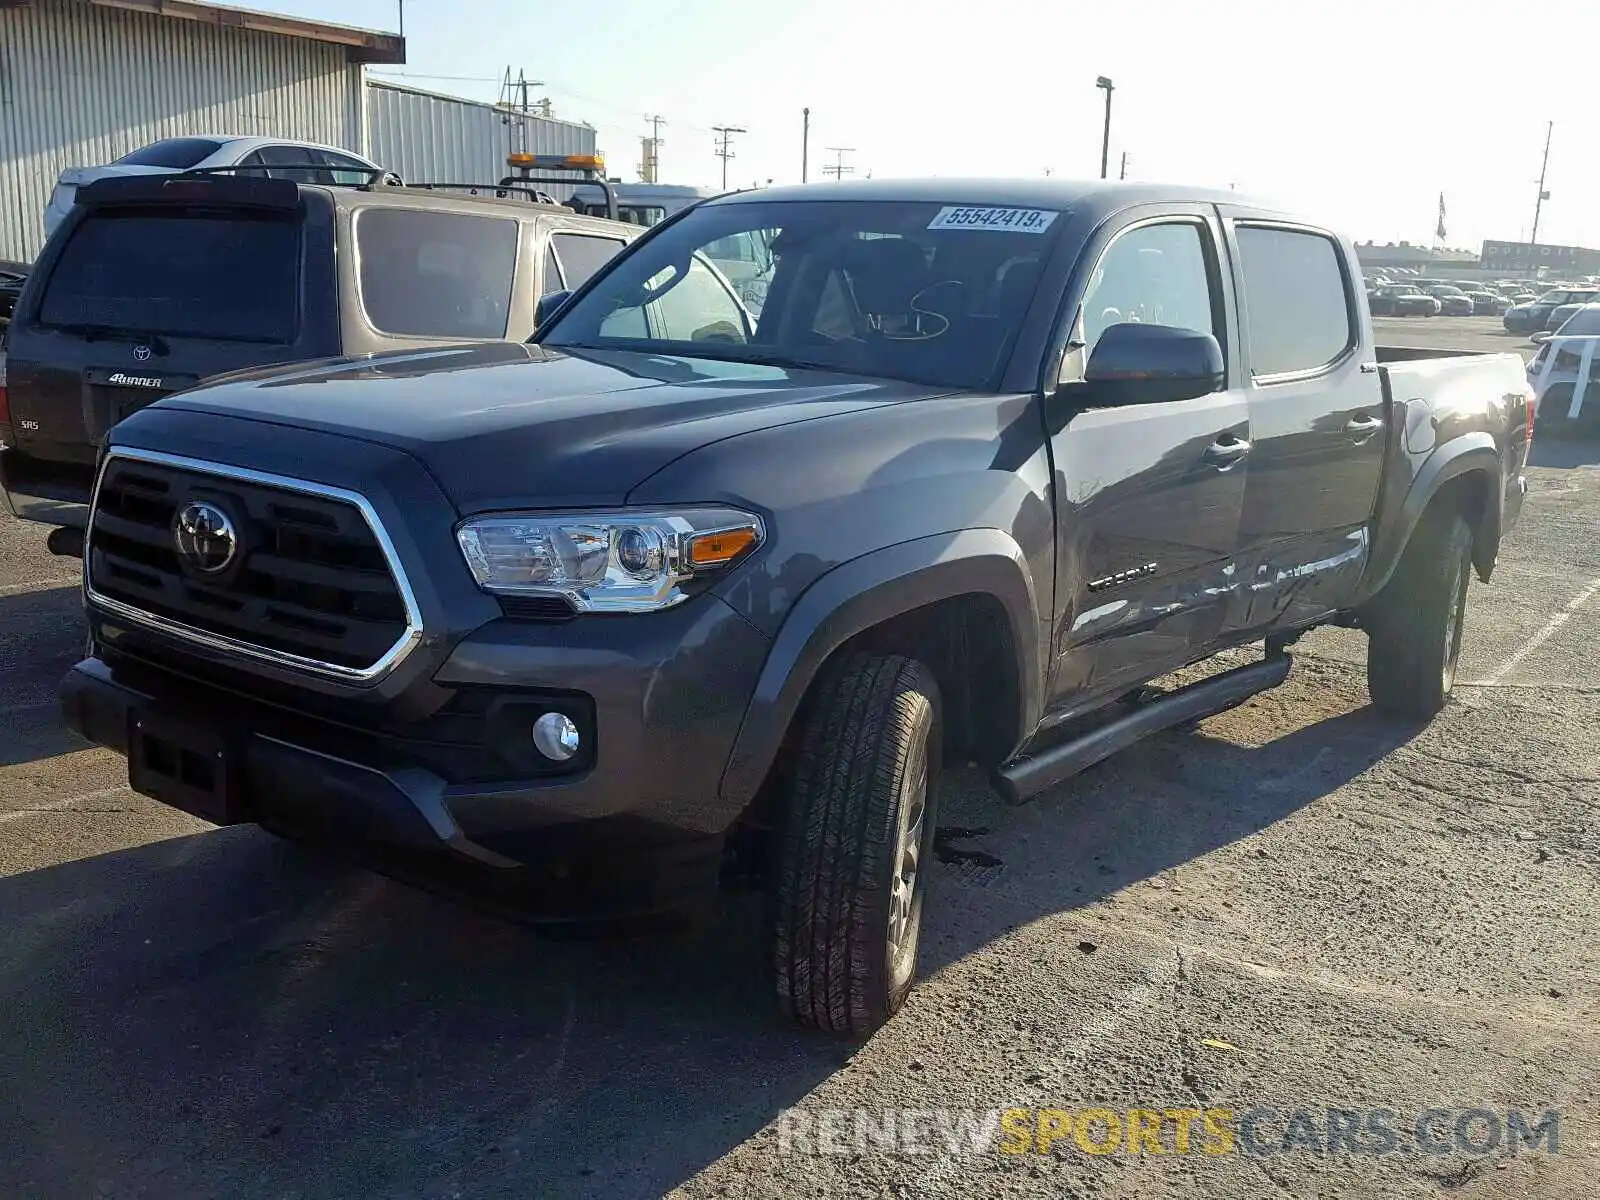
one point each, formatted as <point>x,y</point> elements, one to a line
<point>1414,627</point>
<point>856,841</point>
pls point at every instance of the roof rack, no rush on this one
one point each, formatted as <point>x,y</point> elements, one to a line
<point>500,191</point>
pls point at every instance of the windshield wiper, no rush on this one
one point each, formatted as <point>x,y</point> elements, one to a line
<point>111,333</point>
<point>775,360</point>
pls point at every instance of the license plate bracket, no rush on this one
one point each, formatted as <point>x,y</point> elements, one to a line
<point>182,763</point>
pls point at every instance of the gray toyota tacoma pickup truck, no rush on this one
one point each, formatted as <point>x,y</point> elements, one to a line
<point>574,617</point>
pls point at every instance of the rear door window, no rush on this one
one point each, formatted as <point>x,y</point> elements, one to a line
<point>582,254</point>
<point>231,277</point>
<point>350,172</point>
<point>294,163</point>
<point>177,153</point>
<point>1296,304</point>
<point>436,274</point>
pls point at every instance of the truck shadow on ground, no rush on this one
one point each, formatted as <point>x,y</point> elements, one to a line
<point>41,636</point>
<point>226,1014</point>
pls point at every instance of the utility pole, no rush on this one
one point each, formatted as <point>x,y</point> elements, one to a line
<point>402,4</point>
<point>1105,139</point>
<point>514,96</point>
<point>650,160</point>
<point>1124,174</point>
<point>805,143</point>
<point>725,147</point>
<point>837,168</point>
<point>1533,241</point>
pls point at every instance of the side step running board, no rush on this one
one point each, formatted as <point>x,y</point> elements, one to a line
<point>1026,777</point>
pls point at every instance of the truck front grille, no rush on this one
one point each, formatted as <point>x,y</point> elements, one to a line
<point>310,581</point>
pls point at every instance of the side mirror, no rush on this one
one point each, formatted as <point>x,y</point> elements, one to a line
<point>546,308</point>
<point>1541,337</point>
<point>1152,364</point>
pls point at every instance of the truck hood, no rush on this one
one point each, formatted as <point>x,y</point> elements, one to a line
<point>504,425</point>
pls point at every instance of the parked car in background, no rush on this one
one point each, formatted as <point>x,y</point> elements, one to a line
<point>1532,317</point>
<point>1555,371</point>
<point>1453,302</point>
<point>1487,304</point>
<point>12,277</point>
<point>638,203</point>
<point>1560,316</point>
<point>1402,300</point>
<point>145,289</point>
<point>276,158</point>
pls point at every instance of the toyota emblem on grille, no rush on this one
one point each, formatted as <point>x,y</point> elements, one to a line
<point>141,354</point>
<point>205,537</point>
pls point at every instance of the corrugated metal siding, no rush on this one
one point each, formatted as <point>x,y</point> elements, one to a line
<point>81,85</point>
<point>443,139</point>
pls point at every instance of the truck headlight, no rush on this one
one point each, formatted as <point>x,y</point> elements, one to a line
<point>606,562</point>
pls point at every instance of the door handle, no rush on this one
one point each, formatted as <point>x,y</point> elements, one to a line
<point>1226,451</point>
<point>1363,427</point>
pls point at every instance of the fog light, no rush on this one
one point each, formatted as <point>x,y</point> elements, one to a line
<point>556,736</point>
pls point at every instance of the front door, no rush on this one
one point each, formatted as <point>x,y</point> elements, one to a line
<point>1149,495</point>
<point>1317,421</point>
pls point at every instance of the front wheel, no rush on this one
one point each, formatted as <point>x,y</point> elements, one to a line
<point>1414,626</point>
<point>855,845</point>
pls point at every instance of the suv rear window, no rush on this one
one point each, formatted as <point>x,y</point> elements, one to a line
<point>178,153</point>
<point>434,274</point>
<point>180,272</point>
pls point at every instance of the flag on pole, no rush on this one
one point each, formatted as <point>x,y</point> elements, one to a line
<point>1439,229</point>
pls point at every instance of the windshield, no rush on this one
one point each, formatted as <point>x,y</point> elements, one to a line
<point>924,292</point>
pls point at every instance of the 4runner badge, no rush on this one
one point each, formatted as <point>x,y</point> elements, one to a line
<point>148,381</point>
<point>141,354</point>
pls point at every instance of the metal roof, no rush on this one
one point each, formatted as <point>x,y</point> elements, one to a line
<point>362,45</point>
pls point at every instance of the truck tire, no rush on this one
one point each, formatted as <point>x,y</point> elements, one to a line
<point>1414,627</point>
<point>855,844</point>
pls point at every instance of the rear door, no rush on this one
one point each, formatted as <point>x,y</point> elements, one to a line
<point>1317,422</point>
<point>1148,496</point>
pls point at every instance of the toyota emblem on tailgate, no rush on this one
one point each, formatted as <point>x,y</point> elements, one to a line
<point>204,536</point>
<point>141,354</point>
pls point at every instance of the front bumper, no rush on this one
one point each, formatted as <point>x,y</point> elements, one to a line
<point>447,768</point>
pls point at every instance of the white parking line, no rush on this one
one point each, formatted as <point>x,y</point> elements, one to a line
<point>1543,636</point>
<point>64,805</point>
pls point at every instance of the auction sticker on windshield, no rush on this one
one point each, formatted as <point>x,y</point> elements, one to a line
<point>1011,220</point>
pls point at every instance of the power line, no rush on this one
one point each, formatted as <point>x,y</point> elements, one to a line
<point>838,169</point>
<point>724,149</point>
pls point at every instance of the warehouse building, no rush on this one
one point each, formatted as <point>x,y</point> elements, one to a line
<point>427,137</point>
<point>83,82</point>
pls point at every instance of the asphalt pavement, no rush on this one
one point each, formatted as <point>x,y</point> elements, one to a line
<point>1300,906</point>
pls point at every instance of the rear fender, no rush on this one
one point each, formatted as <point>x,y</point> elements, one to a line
<point>863,593</point>
<point>1460,457</point>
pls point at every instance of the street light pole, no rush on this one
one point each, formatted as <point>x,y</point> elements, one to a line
<point>805,143</point>
<point>1105,140</point>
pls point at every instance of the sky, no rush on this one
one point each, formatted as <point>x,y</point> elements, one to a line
<point>1361,114</point>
